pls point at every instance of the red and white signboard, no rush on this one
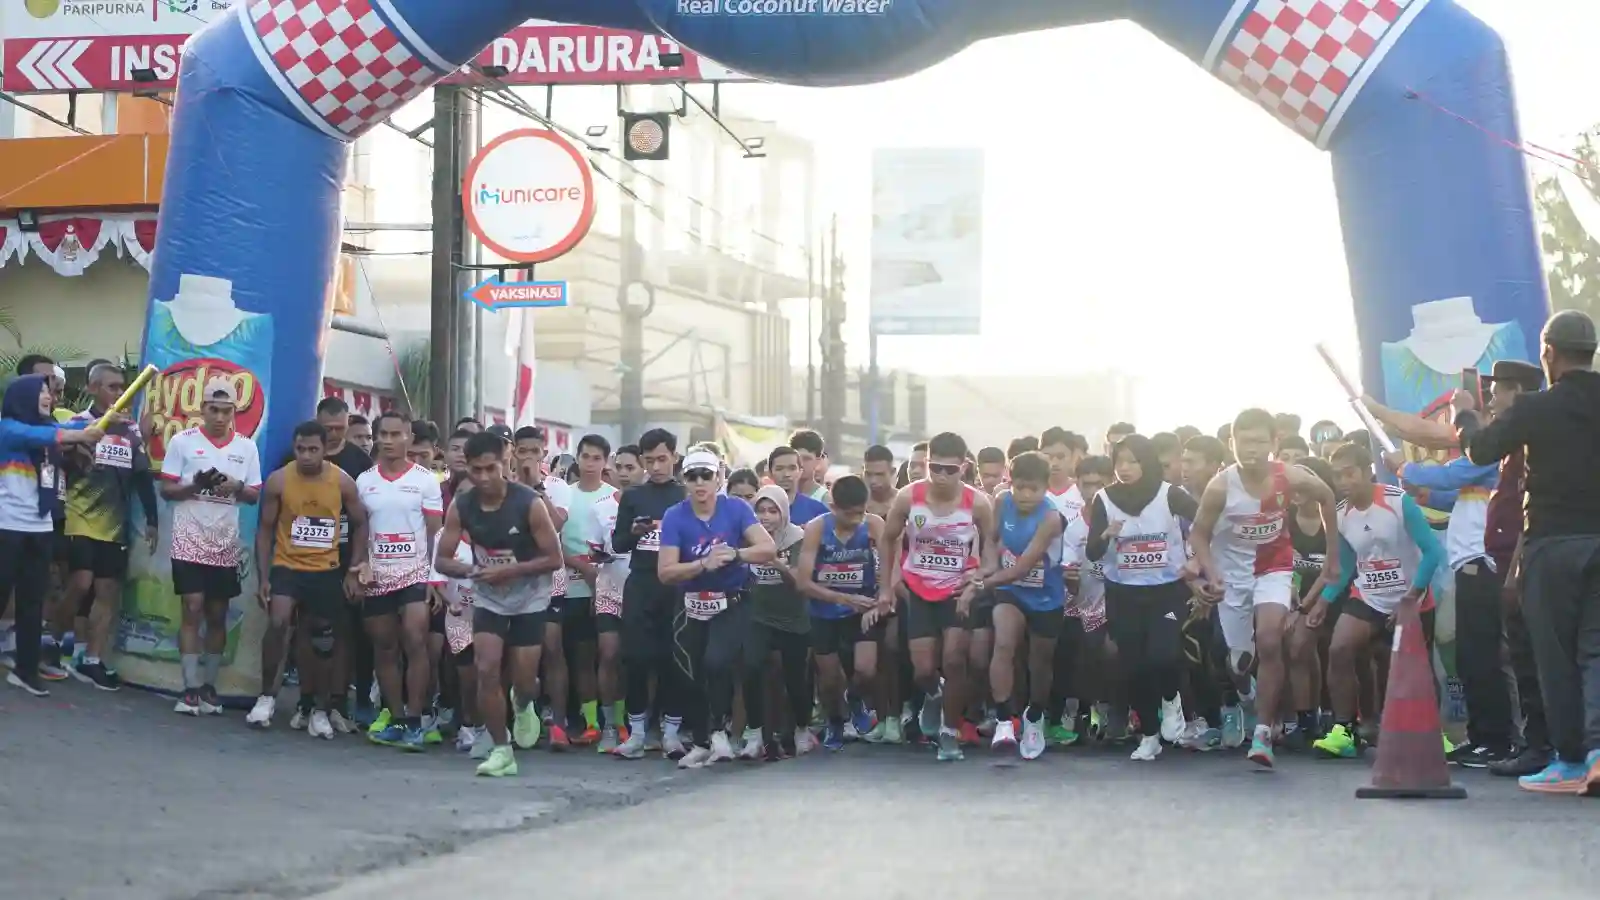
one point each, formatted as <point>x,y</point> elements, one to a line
<point>66,51</point>
<point>529,196</point>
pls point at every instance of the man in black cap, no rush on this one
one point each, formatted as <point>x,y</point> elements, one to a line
<point>1560,565</point>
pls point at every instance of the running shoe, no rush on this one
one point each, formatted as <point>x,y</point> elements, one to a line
<point>1205,738</point>
<point>652,739</point>
<point>586,738</point>
<point>1261,747</point>
<point>1591,781</point>
<point>850,733</point>
<point>414,739</point>
<point>1527,762</point>
<point>392,735</point>
<point>833,737</point>
<point>1149,748</point>
<point>525,726</point>
<point>50,667</point>
<point>893,733</point>
<point>1558,778</point>
<point>430,730</point>
<point>1294,737</point>
<point>559,742</point>
<point>260,715</point>
<point>1033,739</point>
<point>1232,727</point>
<point>673,747</point>
<point>804,741</point>
<point>721,747</point>
<point>1172,723</point>
<point>482,744</point>
<point>380,722</point>
<point>863,720</point>
<point>1061,733</point>
<point>210,703</point>
<point>188,704</point>
<point>32,684</point>
<point>1120,726</point>
<point>697,758</point>
<point>1097,721</point>
<point>1005,736</point>
<point>365,715</point>
<point>932,716</point>
<point>98,675</point>
<point>298,721</point>
<point>500,763</point>
<point>340,724</point>
<point>751,749</point>
<point>319,726</point>
<point>609,741</point>
<point>968,734</point>
<point>990,722</point>
<point>775,752</point>
<point>950,746</point>
<point>464,738</point>
<point>1338,743</point>
<point>875,736</point>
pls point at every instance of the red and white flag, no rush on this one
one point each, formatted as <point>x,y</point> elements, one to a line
<point>520,348</point>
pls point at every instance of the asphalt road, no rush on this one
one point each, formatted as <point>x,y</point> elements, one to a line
<point>113,796</point>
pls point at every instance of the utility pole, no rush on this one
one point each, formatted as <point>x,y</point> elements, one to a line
<point>833,362</point>
<point>452,130</point>
<point>635,299</point>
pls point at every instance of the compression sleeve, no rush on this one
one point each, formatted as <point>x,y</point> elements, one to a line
<point>1099,521</point>
<point>1332,591</point>
<point>1419,530</point>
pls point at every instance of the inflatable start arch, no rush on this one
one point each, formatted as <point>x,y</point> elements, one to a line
<point>1444,264</point>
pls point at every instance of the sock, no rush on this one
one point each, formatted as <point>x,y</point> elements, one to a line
<point>191,671</point>
<point>637,724</point>
<point>1070,714</point>
<point>1033,714</point>
<point>670,726</point>
<point>619,713</point>
<point>212,663</point>
<point>91,660</point>
<point>1002,710</point>
<point>307,704</point>
<point>591,714</point>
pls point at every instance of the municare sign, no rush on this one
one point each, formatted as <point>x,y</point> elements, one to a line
<point>529,196</point>
<point>89,45</point>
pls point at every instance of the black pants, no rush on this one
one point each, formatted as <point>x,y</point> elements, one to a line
<point>1207,667</point>
<point>1561,600</point>
<point>647,609</point>
<point>793,658</point>
<point>705,654</point>
<point>1480,634</point>
<point>1064,676</point>
<point>1535,730</point>
<point>1146,622</point>
<point>25,568</point>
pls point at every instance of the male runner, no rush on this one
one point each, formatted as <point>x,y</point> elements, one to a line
<point>360,433</point>
<point>1387,546</point>
<point>557,496</point>
<point>583,543</point>
<point>1029,599</point>
<point>404,509</point>
<point>1244,513</point>
<point>207,472</point>
<point>1065,451</point>
<point>786,467</point>
<point>1170,452</point>
<point>942,522</point>
<point>627,467</point>
<point>878,470</point>
<point>991,470</point>
<point>356,648</point>
<point>1115,434</point>
<point>838,571</point>
<point>648,606</point>
<point>1083,671</point>
<point>813,467</point>
<point>515,548</point>
<point>297,543</point>
<point>917,464</point>
<point>99,499</point>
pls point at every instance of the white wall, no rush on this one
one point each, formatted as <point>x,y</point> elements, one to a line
<point>97,314</point>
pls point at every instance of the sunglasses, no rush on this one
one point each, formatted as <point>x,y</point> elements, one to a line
<point>944,468</point>
<point>694,475</point>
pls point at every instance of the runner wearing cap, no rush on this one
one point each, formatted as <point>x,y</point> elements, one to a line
<point>207,472</point>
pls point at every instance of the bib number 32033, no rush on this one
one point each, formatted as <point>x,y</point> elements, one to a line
<point>704,605</point>
<point>940,562</point>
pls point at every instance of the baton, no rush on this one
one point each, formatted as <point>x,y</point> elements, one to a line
<point>127,396</point>
<point>1367,419</point>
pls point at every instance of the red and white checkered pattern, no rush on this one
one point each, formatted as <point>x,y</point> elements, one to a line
<point>1298,58</point>
<point>346,64</point>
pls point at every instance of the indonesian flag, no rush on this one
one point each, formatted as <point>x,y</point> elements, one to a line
<point>520,348</point>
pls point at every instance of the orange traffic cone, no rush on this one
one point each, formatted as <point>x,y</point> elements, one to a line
<point>1411,760</point>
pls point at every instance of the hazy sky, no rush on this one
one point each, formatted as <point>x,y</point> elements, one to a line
<point>1111,205</point>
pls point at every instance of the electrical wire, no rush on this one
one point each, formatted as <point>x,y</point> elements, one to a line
<point>59,123</point>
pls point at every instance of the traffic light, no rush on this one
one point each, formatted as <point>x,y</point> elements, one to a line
<point>646,136</point>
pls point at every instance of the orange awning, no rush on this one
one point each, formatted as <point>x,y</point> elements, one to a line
<point>89,171</point>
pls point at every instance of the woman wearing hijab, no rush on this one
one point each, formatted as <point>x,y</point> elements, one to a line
<point>779,623</point>
<point>30,498</point>
<point>1137,519</point>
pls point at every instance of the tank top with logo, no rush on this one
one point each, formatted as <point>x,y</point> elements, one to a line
<point>1149,550</point>
<point>500,537</point>
<point>939,548</point>
<point>1042,589</point>
<point>1252,537</point>
<point>1386,556</point>
<point>849,567</point>
<point>307,535</point>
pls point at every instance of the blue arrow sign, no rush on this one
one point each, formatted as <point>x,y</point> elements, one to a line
<point>493,294</point>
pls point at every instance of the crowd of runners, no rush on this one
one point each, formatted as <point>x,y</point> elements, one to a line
<point>1210,593</point>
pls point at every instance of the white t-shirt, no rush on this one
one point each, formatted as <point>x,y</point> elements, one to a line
<point>205,528</point>
<point>610,578</point>
<point>559,493</point>
<point>397,526</point>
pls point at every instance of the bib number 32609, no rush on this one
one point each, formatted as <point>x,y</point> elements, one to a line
<point>1141,554</point>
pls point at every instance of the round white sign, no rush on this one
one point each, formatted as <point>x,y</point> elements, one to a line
<point>529,196</point>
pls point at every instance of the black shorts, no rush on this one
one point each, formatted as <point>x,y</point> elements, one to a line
<point>525,630</point>
<point>319,593</point>
<point>106,559</point>
<point>436,621</point>
<point>927,618</point>
<point>981,615</point>
<point>577,621</point>
<point>392,603</point>
<point>832,636</point>
<point>648,608</point>
<point>1046,624</point>
<point>605,623</point>
<point>58,547</point>
<point>215,583</point>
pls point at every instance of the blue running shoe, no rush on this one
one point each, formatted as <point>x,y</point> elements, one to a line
<point>364,714</point>
<point>1557,778</point>
<point>414,739</point>
<point>1233,731</point>
<point>391,735</point>
<point>833,736</point>
<point>863,719</point>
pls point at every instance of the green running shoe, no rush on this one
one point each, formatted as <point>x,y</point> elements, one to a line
<point>1338,743</point>
<point>525,729</point>
<point>502,763</point>
<point>380,723</point>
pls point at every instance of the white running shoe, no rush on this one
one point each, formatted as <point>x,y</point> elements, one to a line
<point>752,748</point>
<point>850,732</point>
<point>482,746</point>
<point>319,726</point>
<point>464,738</point>
<point>721,748</point>
<point>298,721</point>
<point>1149,748</point>
<point>634,747</point>
<point>1172,724</point>
<point>1191,732</point>
<point>1005,735</point>
<point>804,741</point>
<point>340,724</point>
<point>697,758</point>
<point>1033,739</point>
<point>261,714</point>
<point>673,747</point>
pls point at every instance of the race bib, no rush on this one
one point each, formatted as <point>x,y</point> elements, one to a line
<point>344,529</point>
<point>1097,570</point>
<point>1144,553</point>
<point>1034,578</point>
<point>704,605</point>
<point>767,574</point>
<point>47,475</point>
<point>495,559</point>
<point>115,451</point>
<point>1381,576</point>
<point>650,541</point>
<point>842,576</point>
<point>1258,529</point>
<point>394,546</point>
<point>312,532</point>
<point>938,562</point>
